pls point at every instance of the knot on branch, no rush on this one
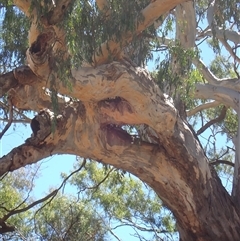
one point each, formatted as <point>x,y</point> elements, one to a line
<point>55,15</point>
<point>44,42</point>
<point>117,104</point>
<point>39,51</point>
<point>116,136</point>
<point>41,126</point>
<point>15,98</point>
<point>112,72</point>
<point>24,75</point>
<point>148,134</point>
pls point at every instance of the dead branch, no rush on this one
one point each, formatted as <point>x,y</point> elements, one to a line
<point>202,107</point>
<point>229,49</point>
<point>214,121</point>
<point>231,83</point>
<point>217,162</point>
<point>10,110</point>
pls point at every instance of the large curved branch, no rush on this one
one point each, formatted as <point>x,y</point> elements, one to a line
<point>177,155</point>
<point>186,24</point>
<point>153,11</point>
<point>111,80</point>
<point>174,162</point>
<point>230,50</point>
<point>221,33</point>
<point>202,107</point>
<point>133,85</point>
<point>136,155</point>
<point>221,94</point>
<point>231,83</point>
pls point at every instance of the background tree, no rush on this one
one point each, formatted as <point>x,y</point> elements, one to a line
<point>14,192</point>
<point>84,75</point>
<point>106,201</point>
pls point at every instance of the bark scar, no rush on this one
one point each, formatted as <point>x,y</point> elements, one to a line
<point>115,135</point>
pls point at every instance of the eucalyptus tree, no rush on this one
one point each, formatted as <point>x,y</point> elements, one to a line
<point>82,66</point>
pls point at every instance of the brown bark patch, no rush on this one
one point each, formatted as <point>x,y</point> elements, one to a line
<point>116,104</point>
<point>115,135</point>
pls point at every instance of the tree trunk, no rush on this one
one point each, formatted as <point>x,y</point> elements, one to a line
<point>176,167</point>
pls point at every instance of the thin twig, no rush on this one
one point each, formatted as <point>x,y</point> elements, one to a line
<point>217,162</point>
<point>63,183</point>
<point>98,184</point>
<point>27,119</point>
<point>10,108</point>
<point>216,120</point>
<point>229,49</point>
